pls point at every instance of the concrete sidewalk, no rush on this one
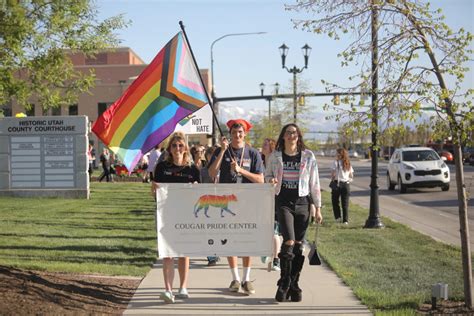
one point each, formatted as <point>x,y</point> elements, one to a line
<point>323,293</point>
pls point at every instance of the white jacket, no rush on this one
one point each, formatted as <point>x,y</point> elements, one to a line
<point>308,175</point>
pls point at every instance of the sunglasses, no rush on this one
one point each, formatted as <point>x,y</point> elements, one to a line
<point>177,145</point>
<point>290,133</point>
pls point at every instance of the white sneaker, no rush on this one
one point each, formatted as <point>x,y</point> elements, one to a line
<point>167,296</point>
<point>183,293</point>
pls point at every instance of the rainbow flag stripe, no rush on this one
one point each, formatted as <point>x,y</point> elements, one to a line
<point>168,90</point>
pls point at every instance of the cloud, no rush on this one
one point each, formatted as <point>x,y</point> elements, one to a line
<point>231,111</point>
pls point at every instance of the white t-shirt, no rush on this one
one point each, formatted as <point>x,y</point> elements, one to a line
<point>153,159</point>
<point>342,175</point>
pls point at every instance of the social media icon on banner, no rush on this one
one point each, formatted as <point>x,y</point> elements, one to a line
<point>210,241</point>
<point>223,241</point>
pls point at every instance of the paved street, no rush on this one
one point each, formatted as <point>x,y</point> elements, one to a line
<point>429,211</point>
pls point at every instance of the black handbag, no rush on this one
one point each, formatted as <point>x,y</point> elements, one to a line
<point>333,184</point>
<point>314,259</point>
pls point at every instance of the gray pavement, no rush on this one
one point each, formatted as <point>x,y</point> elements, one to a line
<point>323,293</point>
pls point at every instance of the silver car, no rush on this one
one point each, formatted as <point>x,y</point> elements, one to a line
<point>419,167</point>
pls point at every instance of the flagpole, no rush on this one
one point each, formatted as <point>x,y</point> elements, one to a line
<point>211,104</point>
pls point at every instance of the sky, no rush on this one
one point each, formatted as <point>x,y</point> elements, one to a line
<point>241,63</point>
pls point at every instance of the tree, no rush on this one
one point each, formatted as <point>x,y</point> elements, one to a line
<point>35,38</point>
<point>401,135</point>
<point>417,52</point>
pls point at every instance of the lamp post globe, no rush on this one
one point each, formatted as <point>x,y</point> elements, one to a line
<point>262,87</point>
<point>306,49</point>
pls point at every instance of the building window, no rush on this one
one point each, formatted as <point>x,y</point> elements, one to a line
<point>102,106</point>
<point>30,111</point>
<point>56,111</point>
<point>73,109</point>
<point>99,59</point>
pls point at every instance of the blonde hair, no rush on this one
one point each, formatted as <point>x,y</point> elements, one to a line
<point>178,136</point>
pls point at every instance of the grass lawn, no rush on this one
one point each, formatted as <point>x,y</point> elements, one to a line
<point>391,270</point>
<point>112,233</point>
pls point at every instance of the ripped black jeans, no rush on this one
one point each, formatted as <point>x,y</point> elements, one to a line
<point>293,217</point>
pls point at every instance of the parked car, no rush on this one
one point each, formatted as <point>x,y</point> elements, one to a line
<point>446,156</point>
<point>468,155</point>
<point>353,154</point>
<point>386,152</point>
<point>417,167</point>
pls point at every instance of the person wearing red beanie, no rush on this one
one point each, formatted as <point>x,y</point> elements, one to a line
<point>236,162</point>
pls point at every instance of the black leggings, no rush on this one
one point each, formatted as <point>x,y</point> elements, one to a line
<point>293,218</point>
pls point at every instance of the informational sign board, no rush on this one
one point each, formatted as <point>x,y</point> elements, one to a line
<point>198,220</point>
<point>44,156</point>
<point>199,122</point>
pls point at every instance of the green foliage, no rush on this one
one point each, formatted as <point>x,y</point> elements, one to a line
<point>36,36</point>
<point>402,135</point>
<point>417,52</point>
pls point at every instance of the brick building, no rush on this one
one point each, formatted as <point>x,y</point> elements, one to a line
<point>115,70</point>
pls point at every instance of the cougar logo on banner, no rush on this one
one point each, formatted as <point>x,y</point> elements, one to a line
<point>218,201</point>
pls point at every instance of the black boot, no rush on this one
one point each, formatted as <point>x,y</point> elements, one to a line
<point>286,257</point>
<point>295,293</point>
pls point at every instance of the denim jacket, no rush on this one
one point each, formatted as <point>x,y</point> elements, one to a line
<point>308,175</point>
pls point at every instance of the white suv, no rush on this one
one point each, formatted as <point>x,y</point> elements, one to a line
<point>417,167</point>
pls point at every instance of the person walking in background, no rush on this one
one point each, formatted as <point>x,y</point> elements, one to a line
<point>143,167</point>
<point>90,159</point>
<point>94,160</point>
<point>274,264</point>
<point>155,154</point>
<point>177,168</point>
<point>294,172</point>
<point>267,148</point>
<point>206,178</point>
<point>199,158</point>
<point>342,173</point>
<point>105,161</point>
<point>237,163</point>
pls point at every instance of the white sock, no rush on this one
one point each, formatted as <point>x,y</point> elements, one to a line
<point>235,274</point>
<point>246,274</point>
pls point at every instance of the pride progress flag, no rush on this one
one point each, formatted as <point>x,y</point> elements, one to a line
<point>168,90</point>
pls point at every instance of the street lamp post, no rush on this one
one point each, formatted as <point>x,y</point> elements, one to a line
<point>374,220</point>
<point>213,92</point>
<point>284,52</point>
<point>269,99</point>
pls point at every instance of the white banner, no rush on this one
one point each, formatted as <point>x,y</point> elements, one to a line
<point>199,122</point>
<point>199,220</point>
